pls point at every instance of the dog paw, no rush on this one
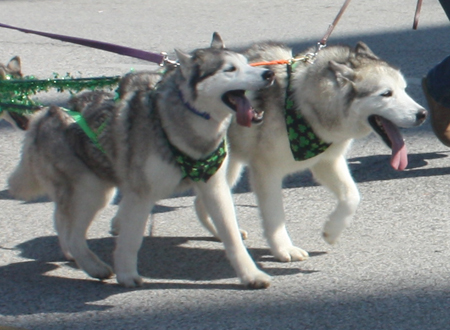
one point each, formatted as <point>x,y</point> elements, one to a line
<point>102,273</point>
<point>259,281</point>
<point>129,280</point>
<point>332,230</point>
<point>290,253</point>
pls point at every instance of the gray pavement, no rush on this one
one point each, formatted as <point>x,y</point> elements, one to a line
<point>390,269</point>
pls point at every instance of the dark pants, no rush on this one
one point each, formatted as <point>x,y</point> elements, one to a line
<point>446,6</point>
<point>438,78</point>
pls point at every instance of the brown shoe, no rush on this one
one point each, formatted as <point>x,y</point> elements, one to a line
<point>440,116</point>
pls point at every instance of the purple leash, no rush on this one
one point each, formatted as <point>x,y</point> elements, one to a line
<point>127,51</point>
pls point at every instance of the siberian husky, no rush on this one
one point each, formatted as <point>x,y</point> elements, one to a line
<point>12,71</point>
<point>336,95</point>
<point>148,145</point>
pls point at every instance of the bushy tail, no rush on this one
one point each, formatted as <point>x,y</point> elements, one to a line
<point>23,183</point>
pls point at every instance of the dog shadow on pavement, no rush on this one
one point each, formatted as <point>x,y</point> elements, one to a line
<point>375,168</point>
<point>164,262</point>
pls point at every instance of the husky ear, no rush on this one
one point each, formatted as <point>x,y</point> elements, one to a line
<point>343,73</point>
<point>217,41</point>
<point>362,49</point>
<point>184,60</point>
<point>14,65</point>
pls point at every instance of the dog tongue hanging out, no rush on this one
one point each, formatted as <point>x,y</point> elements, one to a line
<point>392,137</point>
<point>245,114</point>
<point>344,94</point>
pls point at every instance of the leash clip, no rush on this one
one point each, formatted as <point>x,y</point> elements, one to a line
<point>319,47</point>
<point>166,60</point>
<point>311,57</point>
<point>307,58</point>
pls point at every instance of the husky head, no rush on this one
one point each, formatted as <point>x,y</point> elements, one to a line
<point>217,76</point>
<point>13,71</point>
<point>375,96</point>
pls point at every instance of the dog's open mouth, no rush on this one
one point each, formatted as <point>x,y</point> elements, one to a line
<point>393,138</point>
<point>245,114</point>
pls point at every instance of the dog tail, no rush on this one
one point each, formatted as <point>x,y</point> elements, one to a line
<point>23,182</point>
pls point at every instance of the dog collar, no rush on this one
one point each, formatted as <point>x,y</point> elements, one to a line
<point>303,141</point>
<point>204,115</point>
<point>199,169</point>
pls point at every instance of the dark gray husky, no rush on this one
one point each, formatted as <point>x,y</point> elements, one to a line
<point>149,144</point>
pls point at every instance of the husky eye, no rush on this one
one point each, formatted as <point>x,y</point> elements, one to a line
<point>230,69</point>
<point>386,93</point>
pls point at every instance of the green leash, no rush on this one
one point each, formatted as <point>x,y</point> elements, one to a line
<point>15,96</point>
<point>303,141</point>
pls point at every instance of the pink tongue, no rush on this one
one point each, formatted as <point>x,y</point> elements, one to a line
<point>244,111</point>
<point>399,158</point>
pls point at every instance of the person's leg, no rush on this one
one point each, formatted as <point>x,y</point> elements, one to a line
<point>446,6</point>
<point>438,82</point>
<point>436,87</point>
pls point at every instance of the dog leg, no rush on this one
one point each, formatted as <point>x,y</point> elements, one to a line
<point>218,201</point>
<point>335,175</point>
<point>89,196</point>
<point>133,214</point>
<point>204,218</point>
<point>267,187</point>
<point>234,170</point>
<point>63,230</point>
<point>115,225</point>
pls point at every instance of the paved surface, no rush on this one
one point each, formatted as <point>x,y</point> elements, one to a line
<point>390,270</point>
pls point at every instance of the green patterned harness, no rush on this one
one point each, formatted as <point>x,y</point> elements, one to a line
<point>303,141</point>
<point>200,169</point>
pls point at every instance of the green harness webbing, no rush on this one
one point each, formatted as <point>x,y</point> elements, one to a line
<point>303,141</point>
<point>93,136</point>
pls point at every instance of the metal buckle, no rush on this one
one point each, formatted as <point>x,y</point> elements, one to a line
<point>166,60</point>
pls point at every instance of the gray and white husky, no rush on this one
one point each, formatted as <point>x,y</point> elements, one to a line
<point>338,95</point>
<point>147,145</point>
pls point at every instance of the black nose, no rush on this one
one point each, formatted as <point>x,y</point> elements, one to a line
<point>268,75</point>
<point>421,115</point>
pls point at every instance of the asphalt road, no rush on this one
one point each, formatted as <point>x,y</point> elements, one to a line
<point>390,269</point>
